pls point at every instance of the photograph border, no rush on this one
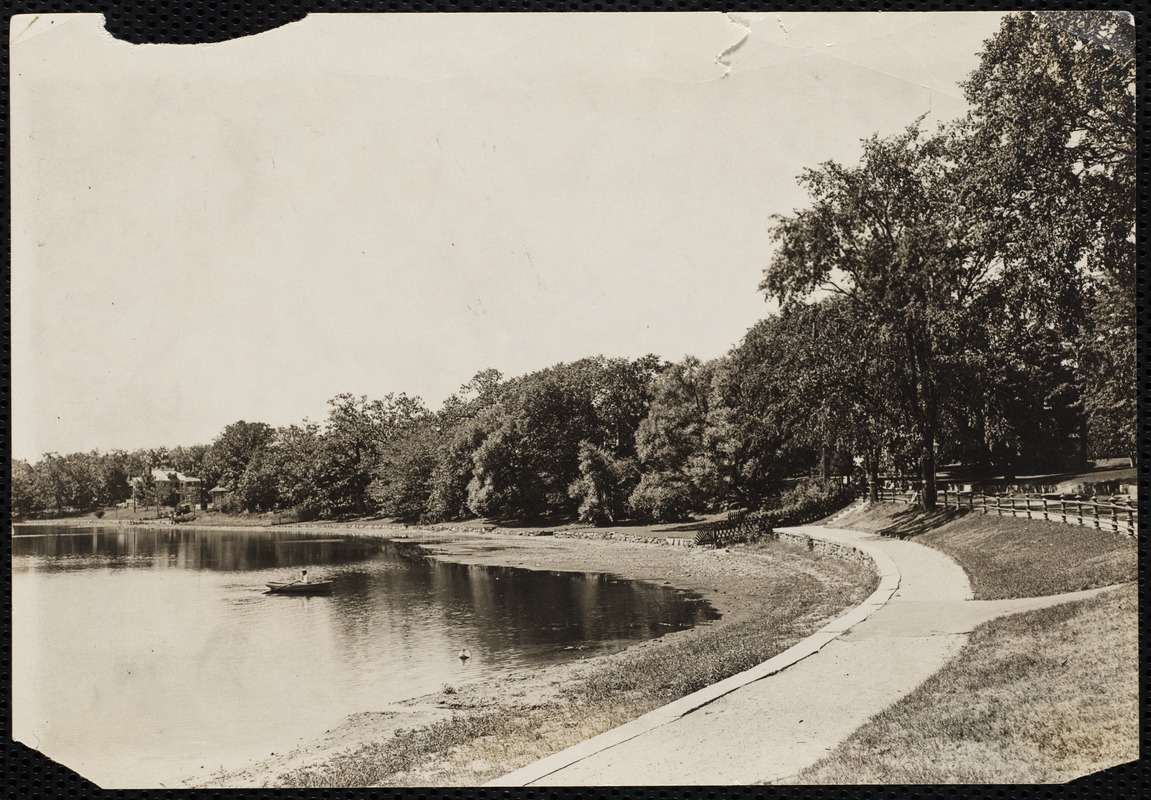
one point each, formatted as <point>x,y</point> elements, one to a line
<point>28,774</point>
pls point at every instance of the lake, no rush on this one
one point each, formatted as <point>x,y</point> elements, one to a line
<point>144,656</point>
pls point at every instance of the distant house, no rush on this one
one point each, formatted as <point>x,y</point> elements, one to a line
<point>217,495</point>
<point>189,488</point>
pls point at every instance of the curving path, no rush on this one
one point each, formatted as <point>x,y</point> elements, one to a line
<point>781,716</point>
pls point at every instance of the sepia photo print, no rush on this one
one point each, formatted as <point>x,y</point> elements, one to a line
<point>573,399</point>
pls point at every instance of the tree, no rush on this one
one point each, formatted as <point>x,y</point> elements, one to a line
<point>502,485</point>
<point>526,443</point>
<point>621,397</point>
<point>144,488</point>
<point>257,487</point>
<point>1109,373</point>
<point>403,481</point>
<point>454,467</point>
<point>354,434</point>
<point>233,450</point>
<point>603,485</point>
<point>67,482</point>
<point>889,236</point>
<point>1054,118</point>
<point>117,473</point>
<point>191,460</point>
<point>24,495</point>
<point>678,474</point>
<point>1052,134</point>
<point>809,388</point>
<point>294,457</point>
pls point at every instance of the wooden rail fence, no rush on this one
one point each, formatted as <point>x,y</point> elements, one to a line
<point>1102,513</point>
<point>738,527</point>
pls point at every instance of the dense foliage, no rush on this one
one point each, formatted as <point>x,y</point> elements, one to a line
<point>963,295</point>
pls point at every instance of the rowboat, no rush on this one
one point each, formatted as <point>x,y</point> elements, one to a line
<point>296,587</point>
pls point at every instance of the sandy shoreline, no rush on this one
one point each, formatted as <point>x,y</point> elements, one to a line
<point>747,585</point>
<point>732,581</point>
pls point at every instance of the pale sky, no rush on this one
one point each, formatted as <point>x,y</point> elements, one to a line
<point>371,203</point>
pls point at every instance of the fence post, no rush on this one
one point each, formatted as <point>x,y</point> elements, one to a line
<point>1062,510</point>
<point>1045,517</point>
<point>1114,517</point>
<point>1095,511</point>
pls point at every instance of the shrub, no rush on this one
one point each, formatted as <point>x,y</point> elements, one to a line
<point>662,498</point>
<point>809,499</point>
<point>231,504</point>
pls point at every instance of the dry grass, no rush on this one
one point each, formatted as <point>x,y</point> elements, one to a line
<point>1041,697</point>
<point>1006,557</point>
<point>486,741</point>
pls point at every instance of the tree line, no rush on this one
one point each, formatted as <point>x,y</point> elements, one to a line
<point>959,295</point>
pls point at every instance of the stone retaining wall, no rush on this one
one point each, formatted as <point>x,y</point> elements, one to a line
<point>824,546</point>
<point>674,541</point>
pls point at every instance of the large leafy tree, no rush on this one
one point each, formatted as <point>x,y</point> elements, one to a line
<point>234,449</point>
<point>454,467</point>
<point>526,444</point>
<point>678,474</point>
<point>403,480</point>
<point>355,434</point>
<point>1051,143</point>
<point>294,457</point>
<point>813,382</point>
<point>888,236</point>
<point>24,495</point>
<point>621,397</point>
<point>71,481</point>
<point>603,485</point>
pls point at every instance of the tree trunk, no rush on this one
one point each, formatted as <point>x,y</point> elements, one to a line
<point>1084,436</point>
<point>824,464</point>
<point>872,465</point>
<point>927,470</point>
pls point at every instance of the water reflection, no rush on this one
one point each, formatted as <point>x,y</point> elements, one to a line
<point>146,655</point>
<point>227,551</point>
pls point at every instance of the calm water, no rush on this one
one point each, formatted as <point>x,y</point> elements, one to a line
<point>145,656</point>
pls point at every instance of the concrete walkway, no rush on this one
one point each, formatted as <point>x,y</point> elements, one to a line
<point>781,716</point>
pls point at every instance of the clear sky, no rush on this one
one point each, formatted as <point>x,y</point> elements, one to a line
<point>372,203</point>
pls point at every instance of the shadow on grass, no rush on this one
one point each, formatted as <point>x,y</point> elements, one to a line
<point>914,522</point>
<point>694,525</point>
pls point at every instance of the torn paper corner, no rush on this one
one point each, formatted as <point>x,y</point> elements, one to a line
<point>23,27</point>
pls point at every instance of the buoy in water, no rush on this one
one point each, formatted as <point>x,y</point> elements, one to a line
<point>465,654</point>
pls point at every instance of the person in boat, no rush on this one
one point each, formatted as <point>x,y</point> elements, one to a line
<point>304,576</point>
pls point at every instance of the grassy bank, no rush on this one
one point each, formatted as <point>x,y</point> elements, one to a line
<point>786,594</point>
<point>1006,557</point>
<point>1045,696</point>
